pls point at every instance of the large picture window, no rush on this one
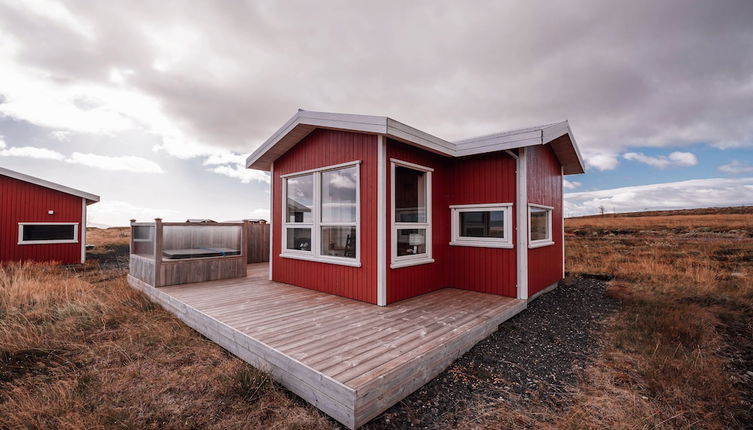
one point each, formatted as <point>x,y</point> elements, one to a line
<point>321,215</point>
<point>39,233</point>
<point>483,225</point>
<point>411,214</point>
<point>539,226</point>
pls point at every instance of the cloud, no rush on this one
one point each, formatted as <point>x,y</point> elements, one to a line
<point>126,163</point>
<point>31,152</point>
<point>570,185</point>
<point>603,161</point>
<point>661,162</point>
<point>227,76</point>
<point>116,213</point>
<point>239,172</point>
<point>736,167</point>
<point>673,195</point>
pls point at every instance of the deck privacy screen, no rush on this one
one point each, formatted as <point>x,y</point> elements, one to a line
<point>200,241</point>
<point>143,240</point>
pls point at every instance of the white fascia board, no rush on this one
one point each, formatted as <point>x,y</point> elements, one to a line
<point>91,198</point>
<point>303,122</point>
<point>403,132</point>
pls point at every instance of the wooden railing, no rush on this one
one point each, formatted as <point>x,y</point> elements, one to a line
<point>170,253</point>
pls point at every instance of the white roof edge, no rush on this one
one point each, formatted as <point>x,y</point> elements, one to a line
<point>47,184</point>
<point>529,136</point>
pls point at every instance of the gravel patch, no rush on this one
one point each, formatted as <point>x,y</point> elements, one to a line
<point>111,257</point>
<point>537,354</point>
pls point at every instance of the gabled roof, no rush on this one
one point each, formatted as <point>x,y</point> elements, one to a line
<point>304,122</point>
<point>90,198</point>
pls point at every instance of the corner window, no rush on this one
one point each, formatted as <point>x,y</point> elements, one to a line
<point>539,226</point>
<point>484,225</point>
<point>40,233</point>
<point>411,214</point>
<point>321,215</point>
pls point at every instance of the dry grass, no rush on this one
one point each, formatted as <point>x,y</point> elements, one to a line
<point>80,354</point>
<point>677,353</point>
<point>77,352</point>
<point>103,237</point>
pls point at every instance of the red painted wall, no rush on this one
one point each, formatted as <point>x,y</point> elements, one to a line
<point>485,178</point>
<point>410,281</point>
<point>545,188</point>
<point>24,202</point>
<point>324,148</point>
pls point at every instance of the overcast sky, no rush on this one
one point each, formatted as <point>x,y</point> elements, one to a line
<point>155,105</point>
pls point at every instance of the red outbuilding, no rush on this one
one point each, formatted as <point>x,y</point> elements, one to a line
<point>41,220</point>
<point>372,209</point>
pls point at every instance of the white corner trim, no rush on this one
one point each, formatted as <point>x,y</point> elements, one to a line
<point>271,215</point>
<point>381,222</point>
<point>45,242</point>
<point>83,230</point>
<point>562,226</point>
<point>521,195</point>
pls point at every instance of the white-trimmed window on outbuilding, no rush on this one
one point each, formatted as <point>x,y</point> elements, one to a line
<point>539,225</point>
<point>31,233</point>
<point>321,214</point>
<point>411,214</point>
<point>482,225</point>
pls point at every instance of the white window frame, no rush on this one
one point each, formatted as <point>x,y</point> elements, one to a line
<point>482,242</point>
<point>42,242</point>
<point>316,253</point>
<point>541,242</point>
<point>410,260</point>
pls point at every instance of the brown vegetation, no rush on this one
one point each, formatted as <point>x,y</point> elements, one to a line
<point>77,352</point>
<point>84,350</point>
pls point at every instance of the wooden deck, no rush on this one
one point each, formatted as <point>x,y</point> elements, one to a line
<point>350,359</point>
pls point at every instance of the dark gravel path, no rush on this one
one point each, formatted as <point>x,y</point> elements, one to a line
<point>537,354</point>
<point>112,257</point>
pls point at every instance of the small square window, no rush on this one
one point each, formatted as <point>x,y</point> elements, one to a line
<point>482,225</point>
<point>539,225</point>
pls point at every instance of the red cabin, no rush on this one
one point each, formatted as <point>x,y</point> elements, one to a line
<point>369,208</point>
<point>41,220</point>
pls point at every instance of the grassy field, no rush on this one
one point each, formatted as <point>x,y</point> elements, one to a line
<point>79,349</point>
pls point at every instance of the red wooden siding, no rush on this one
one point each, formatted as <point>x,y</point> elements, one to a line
<point>323,148</point>
<point>24,202</point>
<point>410,281</point>
<point>545,188</point>
<point>487,178</point>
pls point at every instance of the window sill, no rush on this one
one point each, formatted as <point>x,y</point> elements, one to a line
<point>482,244</point>
<point>45,242</point>
<point>339,261</point>
<point>540,244</point>
<point>412,262</point>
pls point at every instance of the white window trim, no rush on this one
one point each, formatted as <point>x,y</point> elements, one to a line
<point>481,242</point>
<point>410,260</point>
<point>541,242</point>
<point>42,242</point>
<point>316,225</point>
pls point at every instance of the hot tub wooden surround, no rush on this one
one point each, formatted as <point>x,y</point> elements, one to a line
<point>350,359</point>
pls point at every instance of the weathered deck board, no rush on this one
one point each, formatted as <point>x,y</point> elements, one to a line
<point>350,359</point>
